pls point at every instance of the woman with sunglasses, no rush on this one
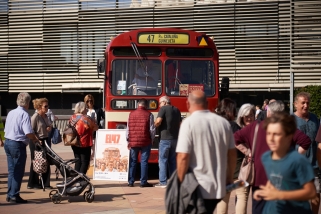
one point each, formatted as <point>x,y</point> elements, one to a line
<point>97,114</point>
<point>41,127</point>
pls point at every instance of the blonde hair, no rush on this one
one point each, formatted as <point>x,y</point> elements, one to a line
<point>89,97</point>
<point>37,103</point>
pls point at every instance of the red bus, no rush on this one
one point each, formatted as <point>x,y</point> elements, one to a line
<point>153,62</point>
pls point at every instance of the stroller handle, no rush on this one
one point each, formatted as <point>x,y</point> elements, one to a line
<point>71,161</point>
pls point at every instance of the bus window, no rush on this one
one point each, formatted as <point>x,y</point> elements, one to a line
<point>184,76</point>
<point>134,77</point>
<point>144,52</point>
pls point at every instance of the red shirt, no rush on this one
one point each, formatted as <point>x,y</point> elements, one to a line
<point>245,136</point>
<point>84,127</point>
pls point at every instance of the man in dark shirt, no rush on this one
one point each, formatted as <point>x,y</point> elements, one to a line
<point>168,120</point>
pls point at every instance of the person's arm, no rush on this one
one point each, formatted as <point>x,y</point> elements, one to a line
<point>1,141</point>
<point>160,116</point>
<point>158,121</point>
<point>231,164</point>
<point>302,140</point>
<point>33,137</point>
<point>152,128</point>
<point>269,192</point>
<point>93,124</point>
<point>242,139</point>
<point>182,160</point>
<point>318,140</point>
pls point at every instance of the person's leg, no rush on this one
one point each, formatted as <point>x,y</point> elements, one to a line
<point>85,159</point>
<point>132,164</point>
<point>242,197</point>
<point>257,206</point>
<point>172,157</point>
<point>46,177</point>
<point>16,157</point>
<point>76,151</point>
<point>163,152</point>
<point>222,206</point>
<point>210,205</point>
<point>144,163</point>
<point>33,180</point>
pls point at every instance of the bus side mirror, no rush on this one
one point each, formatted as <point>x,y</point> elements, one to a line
<point>101,66</point>
<point>225,85</point>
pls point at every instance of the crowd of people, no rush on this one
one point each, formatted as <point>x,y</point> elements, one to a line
<point>202,154</point>
<point>22,130</point>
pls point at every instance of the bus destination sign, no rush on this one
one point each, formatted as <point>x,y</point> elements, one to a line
<point>163,38</point>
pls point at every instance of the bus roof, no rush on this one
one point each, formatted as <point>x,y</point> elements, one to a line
<point>139,37</point>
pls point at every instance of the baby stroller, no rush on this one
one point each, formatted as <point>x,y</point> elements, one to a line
<point>74,182</point>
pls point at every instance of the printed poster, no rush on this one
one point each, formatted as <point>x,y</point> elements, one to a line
<point>185,89</point>
<point>111,155</point>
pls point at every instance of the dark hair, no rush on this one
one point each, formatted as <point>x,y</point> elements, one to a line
<point>286,120</point>
<point>259,106</point>
<point>266,101</point>
<point>143,102</point>
<point>227,109</point>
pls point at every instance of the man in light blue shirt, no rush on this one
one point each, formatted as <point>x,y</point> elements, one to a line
<point>18,132</point>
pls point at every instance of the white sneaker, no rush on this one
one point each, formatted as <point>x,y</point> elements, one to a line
<point>159,185</point>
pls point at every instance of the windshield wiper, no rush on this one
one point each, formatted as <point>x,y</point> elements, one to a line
<point>140,60</point>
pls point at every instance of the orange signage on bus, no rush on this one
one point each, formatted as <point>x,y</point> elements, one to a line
<point>163,38</point>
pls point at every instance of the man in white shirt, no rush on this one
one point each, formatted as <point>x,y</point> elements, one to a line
<point>206,147</point>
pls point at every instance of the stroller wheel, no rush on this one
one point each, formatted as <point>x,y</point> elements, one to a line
<point>56,198</point>
<point>85,194</point>
<point>89,197</point>
<point>52,192</point>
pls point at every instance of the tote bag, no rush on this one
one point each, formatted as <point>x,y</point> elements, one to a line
<point>70,135</point>
<point>247,171</point>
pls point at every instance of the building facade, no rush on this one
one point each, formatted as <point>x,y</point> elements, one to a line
<point>50,47</point>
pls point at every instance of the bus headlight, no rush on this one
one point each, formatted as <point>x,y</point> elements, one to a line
<point>152,104</point>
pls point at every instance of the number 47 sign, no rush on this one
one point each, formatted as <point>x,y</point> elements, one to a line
<point>112,138</point>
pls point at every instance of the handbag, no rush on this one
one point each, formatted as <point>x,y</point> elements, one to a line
<point>70,135</point>
<point>55,135</point>
<point>247,171</point>
<point>39,162</point>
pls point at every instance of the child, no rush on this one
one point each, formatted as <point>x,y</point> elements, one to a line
<point>290,175</point>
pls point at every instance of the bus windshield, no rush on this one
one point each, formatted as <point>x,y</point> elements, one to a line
<point>184,76</point>
<point>136,77</point>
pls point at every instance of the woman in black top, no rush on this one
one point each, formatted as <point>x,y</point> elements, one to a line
<point>97,114</point>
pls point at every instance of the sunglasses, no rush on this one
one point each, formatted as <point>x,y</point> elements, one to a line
<point>46,106</point>
<point>89,101</point>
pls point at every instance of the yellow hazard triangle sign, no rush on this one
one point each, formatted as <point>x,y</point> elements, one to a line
<point>202,41</point>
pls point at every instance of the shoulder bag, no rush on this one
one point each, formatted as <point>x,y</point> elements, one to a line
<point>55,134</point>
<point>247,171</point>
<point>70,135</point>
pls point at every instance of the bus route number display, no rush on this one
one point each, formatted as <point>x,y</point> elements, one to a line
<point>163,38</point>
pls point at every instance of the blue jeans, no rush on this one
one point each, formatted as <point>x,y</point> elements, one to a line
<point>16,158</point>
<point>166,159</point>
<point>145,152</point>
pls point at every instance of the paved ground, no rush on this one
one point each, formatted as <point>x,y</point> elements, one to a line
<point>110,197</point>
